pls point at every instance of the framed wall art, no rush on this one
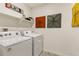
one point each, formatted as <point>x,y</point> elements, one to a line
<point>40,22</point>
<point>75,15</point>
<point>54,21</point>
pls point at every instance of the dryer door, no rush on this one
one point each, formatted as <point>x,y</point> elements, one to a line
<point>38,45</point>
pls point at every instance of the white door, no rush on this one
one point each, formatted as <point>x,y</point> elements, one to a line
<point>38,45</point>
<point>20,49</point>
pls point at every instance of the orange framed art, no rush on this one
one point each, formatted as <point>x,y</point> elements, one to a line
<point>40,22</point>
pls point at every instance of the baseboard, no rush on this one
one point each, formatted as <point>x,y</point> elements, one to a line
<point>53,53</point>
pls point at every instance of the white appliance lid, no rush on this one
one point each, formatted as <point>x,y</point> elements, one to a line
<point>11,41</point>
<point>30,33</point>
<point>33,35</point>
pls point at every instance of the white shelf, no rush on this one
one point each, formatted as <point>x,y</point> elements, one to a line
<point>9,12</point>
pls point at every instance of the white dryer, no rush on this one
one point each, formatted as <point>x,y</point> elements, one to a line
<point>37,42</point>
<point>13,44</point>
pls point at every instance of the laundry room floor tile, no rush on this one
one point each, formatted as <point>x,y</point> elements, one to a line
<point>47,54</point>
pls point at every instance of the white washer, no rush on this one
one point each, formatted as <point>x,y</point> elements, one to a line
<point>12,44</point>
<point>37,42</point>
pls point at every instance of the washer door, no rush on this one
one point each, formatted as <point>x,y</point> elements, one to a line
<point>20,49</point>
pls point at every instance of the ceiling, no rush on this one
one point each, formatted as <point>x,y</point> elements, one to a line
<point>33,5</point>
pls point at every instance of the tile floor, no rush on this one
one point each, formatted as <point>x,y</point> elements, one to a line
<point>47,54</point>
